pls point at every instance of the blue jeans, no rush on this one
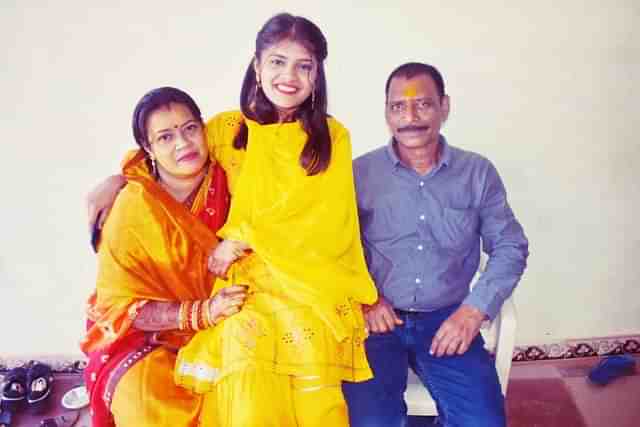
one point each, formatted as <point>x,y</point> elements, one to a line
<point>465,388</point>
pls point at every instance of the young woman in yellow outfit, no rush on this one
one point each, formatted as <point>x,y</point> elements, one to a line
<point>293,236</point>
<point>281,360</point>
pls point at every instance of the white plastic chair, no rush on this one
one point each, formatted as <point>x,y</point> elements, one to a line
<point>500,338</point>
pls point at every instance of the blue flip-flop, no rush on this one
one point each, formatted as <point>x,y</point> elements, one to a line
<point>611,368</point>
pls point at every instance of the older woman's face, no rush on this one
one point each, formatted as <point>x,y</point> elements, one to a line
<point>177,141</point>
<point>287,72</point>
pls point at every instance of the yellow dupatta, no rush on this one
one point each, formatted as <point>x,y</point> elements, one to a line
<point>305,228</point>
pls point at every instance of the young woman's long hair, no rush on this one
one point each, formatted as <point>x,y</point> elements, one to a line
<point>312,113</point>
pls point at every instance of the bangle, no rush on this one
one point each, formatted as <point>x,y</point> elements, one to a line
<point>194,315</point>
<point>182,316</point>
<point>201,319</point>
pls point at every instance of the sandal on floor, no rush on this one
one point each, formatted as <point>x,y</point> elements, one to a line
<point>39,384</point>
<point>611,368</point>
<point>65,420</point>
<point>13,393</point>
<point>5,417</point>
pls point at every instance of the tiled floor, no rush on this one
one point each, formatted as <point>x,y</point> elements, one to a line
<point>616,404</point>
<point>538,387</point>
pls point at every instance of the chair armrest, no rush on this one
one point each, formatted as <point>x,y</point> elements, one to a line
<point>505,330</point>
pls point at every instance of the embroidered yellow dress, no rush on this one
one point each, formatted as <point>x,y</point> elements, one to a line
<point>301,328</point>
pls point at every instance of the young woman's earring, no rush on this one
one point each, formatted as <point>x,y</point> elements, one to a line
<point>257,88</point>
<point>154,169</point>
<point>313,98</point>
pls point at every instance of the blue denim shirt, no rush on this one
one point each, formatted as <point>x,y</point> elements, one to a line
<point>422,235</point>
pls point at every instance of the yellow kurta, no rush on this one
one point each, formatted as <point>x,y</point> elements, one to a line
<point>307,273</point>
<point>152,249</point>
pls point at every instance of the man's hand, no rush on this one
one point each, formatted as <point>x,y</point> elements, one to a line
<point>100,199</point>
<point>380,316</point>
<point>457,332</point>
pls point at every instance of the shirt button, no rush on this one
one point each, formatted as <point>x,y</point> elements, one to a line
<point>422,217</point>
<point>418,280</point>
<point>420,247</point>
<point>421,184</point>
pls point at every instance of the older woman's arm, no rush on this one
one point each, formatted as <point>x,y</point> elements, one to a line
<point>158,316</point>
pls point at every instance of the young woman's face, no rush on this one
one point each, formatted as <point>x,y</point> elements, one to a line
<point>287,72</point>
<point>177,141</point>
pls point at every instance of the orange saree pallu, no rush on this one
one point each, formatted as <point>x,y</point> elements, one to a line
<point>152,249</point>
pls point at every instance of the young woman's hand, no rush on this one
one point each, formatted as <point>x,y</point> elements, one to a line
<point>101,199</point>
<point>227,301</point>
<point>225,254</point>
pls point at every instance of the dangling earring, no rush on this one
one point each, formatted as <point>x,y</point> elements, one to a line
<point>313,98</point>
<point>258,86</point>
<point>154,169</point>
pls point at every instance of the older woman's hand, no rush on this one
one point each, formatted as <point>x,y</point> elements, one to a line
<point>225,254</point>
<point>227,301</point>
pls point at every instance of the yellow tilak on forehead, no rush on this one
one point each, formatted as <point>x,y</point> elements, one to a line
<point>410,91</point>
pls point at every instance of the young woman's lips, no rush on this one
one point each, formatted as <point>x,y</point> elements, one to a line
<point>286,89</point>
<point>188,157</point>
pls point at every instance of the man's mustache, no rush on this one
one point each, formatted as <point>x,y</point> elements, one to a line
<point>412,128</point>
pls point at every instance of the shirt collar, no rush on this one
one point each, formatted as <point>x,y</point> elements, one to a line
<point>445,153</point>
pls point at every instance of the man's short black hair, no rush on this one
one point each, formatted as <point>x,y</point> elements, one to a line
<point>412,69</point>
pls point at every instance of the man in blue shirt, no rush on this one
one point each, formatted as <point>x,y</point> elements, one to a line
<point>427,209</point>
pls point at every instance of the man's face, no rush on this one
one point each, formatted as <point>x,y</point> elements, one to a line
<point>414,111</point>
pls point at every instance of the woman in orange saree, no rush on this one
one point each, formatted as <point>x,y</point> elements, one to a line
<point>153,288</point>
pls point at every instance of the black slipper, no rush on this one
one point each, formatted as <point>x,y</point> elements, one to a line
<point>13,393</point>
<point>39,384</point>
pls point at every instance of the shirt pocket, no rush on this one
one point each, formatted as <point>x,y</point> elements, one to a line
<point>457,230</point>
<point>390,219</point>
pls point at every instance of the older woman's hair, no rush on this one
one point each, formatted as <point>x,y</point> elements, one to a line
<point>312,113</point>
<point>152,101</point>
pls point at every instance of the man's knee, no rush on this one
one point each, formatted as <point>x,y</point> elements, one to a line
<point>370,406</point>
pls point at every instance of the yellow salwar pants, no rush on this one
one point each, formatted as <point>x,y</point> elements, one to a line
<point>256,397</point>
<point>146,395</point>
<point>275,363</point>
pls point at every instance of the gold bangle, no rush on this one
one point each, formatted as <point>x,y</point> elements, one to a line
<point>186,320</point>
<point>181,316</point>
<point>194,315</point>
<point>201,320</point>
<point>207,313</point>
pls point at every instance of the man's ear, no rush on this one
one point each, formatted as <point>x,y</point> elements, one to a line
<point>446,107</point>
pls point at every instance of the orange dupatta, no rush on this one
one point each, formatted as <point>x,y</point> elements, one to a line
<point>153,249</point>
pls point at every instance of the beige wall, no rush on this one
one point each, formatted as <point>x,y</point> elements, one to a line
<point>547,90</point>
